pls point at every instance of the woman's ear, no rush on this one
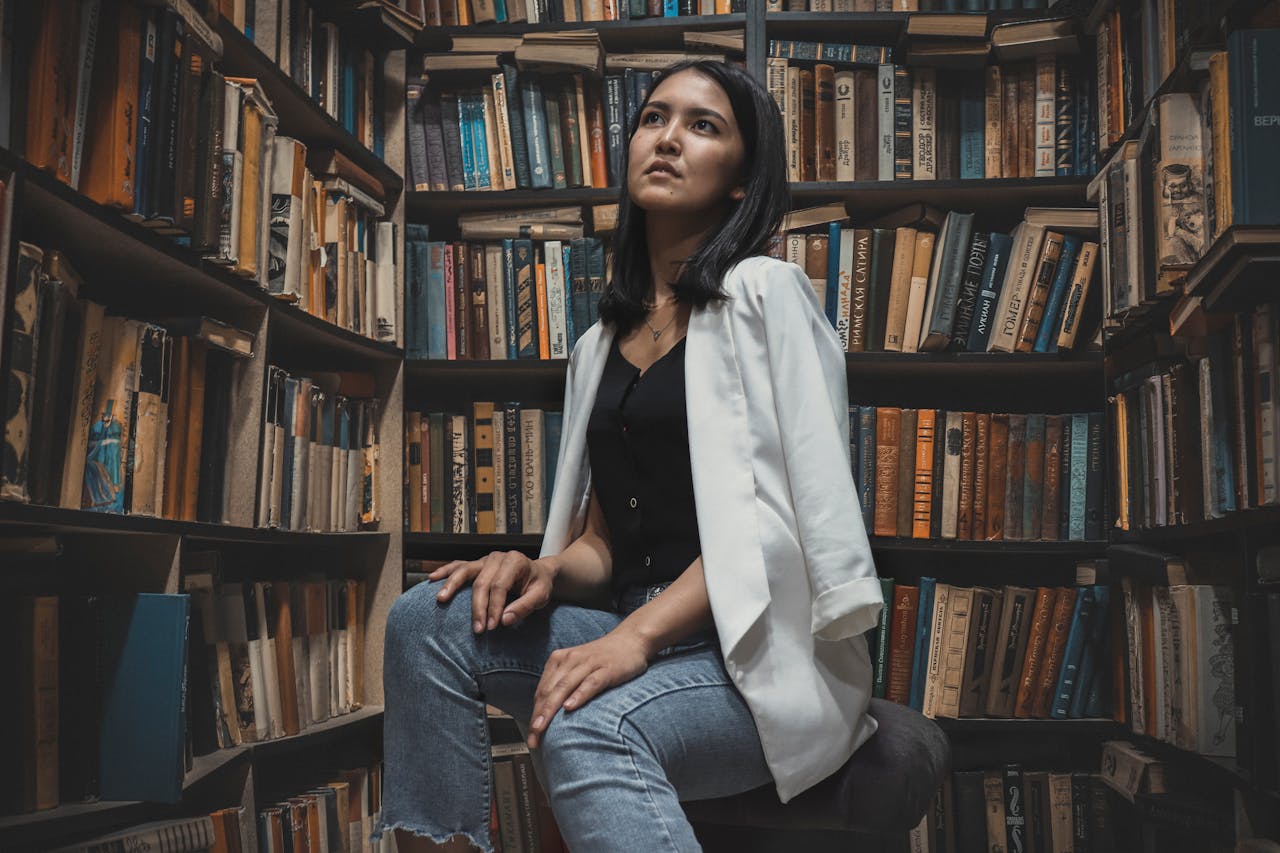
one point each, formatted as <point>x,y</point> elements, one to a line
<point>738,193</point>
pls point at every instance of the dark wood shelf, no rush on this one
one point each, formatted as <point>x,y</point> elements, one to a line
<point>468,546</point>
<point>1141,322</point>
<point>869,28</point>
<point>329,730</point>
<point>1216,770</point>
<point>1002,197</point>
<point>317,343</point>
<point>643,33</point>
<point>300,116</point>
<point>1239,271</point>
<point>426,205</point>
<point>373,26</point>
<point>1023,727</point>
<point>998,546</point>
<point>32,518</point>
<point>1235,522</point>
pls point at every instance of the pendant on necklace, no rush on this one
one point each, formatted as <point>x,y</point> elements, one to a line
<point>659,332</point>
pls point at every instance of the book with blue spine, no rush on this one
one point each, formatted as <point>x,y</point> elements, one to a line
<point>437,301</point>
<point>1085,139</point>
<point>466,133</point>
<point>1223,469</point>
<point>1050,323</point>
<point>1253,66</point>
<point>924,626</point>
<point>479,146</point>
<point>579,296</point>
<point>850,54</point>
<point>347,100</point>
<point>1079,473</point>
<point>670,8</point>
<point>552,425</point>
<point>515,125</point>
<point>500,11</point>
<point>535,131</point>
<point>1095,498</point>
<point>1089,697</point>
<point>973,143</point>
<point>989,291</point>
<point>832,308</point>
<point>1069,669</point>
<point>903,134</point>
<point>595,275</point>
<point>144,716</point>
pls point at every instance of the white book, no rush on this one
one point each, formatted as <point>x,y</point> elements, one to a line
<point>924,99</point>
<point>844,285</point>
<point>266,29</point>
<point>387,323</point>
<point>844,125</point>
<point>1025,255</point>
<point>264,196</point>
<point>233,166</point>
<point>531,460</point>
<point>1046,117</point>
<point>495,302</point>
<point>1212,650</point>
<point>584,132</point>
<point>884,99</point>
<point>457,475</point>
<point>287,240</point>
<point>558,330</point>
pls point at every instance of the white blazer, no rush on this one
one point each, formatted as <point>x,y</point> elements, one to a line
<point>788,568</point>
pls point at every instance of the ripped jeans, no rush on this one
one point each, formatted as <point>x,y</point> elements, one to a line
<point>615,770</point>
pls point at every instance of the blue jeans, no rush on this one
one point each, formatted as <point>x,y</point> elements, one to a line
<point>615,770</point>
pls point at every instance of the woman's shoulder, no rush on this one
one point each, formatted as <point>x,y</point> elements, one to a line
<point>766,278</point>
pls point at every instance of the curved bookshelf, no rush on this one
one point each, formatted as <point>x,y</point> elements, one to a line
<point>300,115</point>
<point>421,205</point>
<point>615,35</point>
<point>1239,271</point>
<point>1003,196</point>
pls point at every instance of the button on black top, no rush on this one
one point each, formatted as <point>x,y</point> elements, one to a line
<point>638,444</point>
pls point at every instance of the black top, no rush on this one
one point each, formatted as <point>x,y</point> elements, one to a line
<point>638,445</point>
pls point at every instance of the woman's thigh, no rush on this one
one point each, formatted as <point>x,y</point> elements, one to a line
<point>685,712</point>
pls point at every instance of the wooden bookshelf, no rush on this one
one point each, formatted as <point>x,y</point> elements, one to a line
<point>1234,523</point>
<point>1239,271</point>
<point>658,33</point>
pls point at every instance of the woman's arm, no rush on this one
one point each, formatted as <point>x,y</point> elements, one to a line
<point>573,676</point>
<point>579,572</point>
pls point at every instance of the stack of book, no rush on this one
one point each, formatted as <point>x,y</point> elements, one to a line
<point>110,413</point>
<point>271,659</point>
<point>1014,651</point>
<point>851,114</point>
<point>502,299</point>
<point>319,468</point>
<point>938,283</point>
<point>490,471</point>
<point>930,474</point>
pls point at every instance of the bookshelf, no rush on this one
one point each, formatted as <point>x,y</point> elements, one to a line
<point>138,272</point>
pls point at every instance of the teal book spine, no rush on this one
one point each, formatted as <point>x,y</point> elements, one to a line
<point>500,11</point>
<point>552,425</point>
<point>1068,672</point>
<point>881,678</point>
<point>535,129</point>
<point>832,306</point>
<point>579,295</point>
<point>144,714</point>
<point>466,134</point>
<point>989,291</point>
<point>515,123</point>
<point>1032,491</point>
<point>437,301</point>
<point>1050,323</point>
<point>1253,66</point>
<point>924,626</point>
<point>1079,472</point>
<point>973,142</point>
<point>571,328</point>
<point>479,147</point>
<point>595,275</point>
<point>670,9</point>
<point>1095,498</point>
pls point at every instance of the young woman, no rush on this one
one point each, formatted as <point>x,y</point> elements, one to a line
<point>703,494</point>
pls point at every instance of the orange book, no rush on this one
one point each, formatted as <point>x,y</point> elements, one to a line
<point>888,419</point>
<point>596,127</point>
<point>1054,650</point>
<point>1033,658</point>
<point>997,470</point>
<point>544,334</point>
<point>284,658</point>
<point>51,89</point>
<point>176,439</point>
<point>902,643</point>
<point>110,148</point>
<point>981,441</point>
<point>926,423</point>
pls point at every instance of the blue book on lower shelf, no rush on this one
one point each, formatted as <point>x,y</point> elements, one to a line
<point>144,716</point>
<point>924,627</point>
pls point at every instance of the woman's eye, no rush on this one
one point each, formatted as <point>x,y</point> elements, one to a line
<point>703,124</point>
<point>651,118</point>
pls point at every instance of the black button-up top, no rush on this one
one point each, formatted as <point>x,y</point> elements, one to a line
<point>638,445</point>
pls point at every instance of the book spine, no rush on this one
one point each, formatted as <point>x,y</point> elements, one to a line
<point>902,124</point>
<point>885,115</point>
<point>1066,162</point>
<point>992,282</point>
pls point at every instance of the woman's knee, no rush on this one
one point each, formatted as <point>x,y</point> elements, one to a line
<point>418,616</point>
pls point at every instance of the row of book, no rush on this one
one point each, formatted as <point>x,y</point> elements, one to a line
<point>1013,808</point>
<point>490,471</point>
<point>513,299</point>
<point>1022,652</point>
<point>521,130</point>
<point>319,468</point>
<point>850,114</point>
<point>1200,440</point>
<point>1190,174</point>
<point>166,138</point>
<point>900,5</point>
<point>941,284</point>
<point>336,816</point>
<point>1178,647</point>
<point>341,75</point>
<point>271,659</point>
<point>930,474</point>
<point>109,413</point>
<point>453,13</point>
<point>521,819</point>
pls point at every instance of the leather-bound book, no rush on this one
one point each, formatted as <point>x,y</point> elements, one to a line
<point>1050,493</point>
<point>1044,690</point>
<point>979,655</point>
<point>902,643</point>
<point>981,450</point>
<point>888,429</point>
<point>1011,644</point>
<point>824,129</point>
<point>907,471</point>
<point>1016,468</point>
<point>1033,478</point>
<point>808,126</point>
<point>997,472</point>
<point>923,485</point>
<point>1041,619</point>
<point>968,466</point>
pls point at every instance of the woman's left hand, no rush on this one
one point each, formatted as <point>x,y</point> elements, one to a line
<point>573,676</point>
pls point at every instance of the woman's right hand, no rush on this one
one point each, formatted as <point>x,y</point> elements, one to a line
<point>492,579</point>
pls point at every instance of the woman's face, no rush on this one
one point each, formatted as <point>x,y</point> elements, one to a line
<point>686,156</point>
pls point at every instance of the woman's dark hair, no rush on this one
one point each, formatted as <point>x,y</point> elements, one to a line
<point>745,231</point>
